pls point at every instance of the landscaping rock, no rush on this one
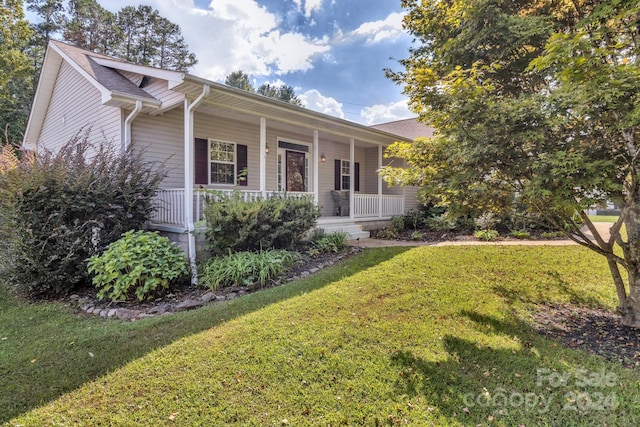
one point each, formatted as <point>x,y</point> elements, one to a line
<point>161,309</point>
<point>97,311</point>
<point>104,312</point>
<point>231,295</point>
<point>111,313</point>
<point>87,307</point>
<point>208,297</point>
<point>220,298</point>
<point>188,305</point>
<point>127,314</point>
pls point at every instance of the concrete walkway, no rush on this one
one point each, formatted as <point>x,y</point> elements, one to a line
<point>602,227</point>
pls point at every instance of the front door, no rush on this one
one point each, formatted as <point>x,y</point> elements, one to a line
<point>296,179</point>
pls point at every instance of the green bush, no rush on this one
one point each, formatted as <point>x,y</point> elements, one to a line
<point>417,235</point>
<point>141,263</point>
<point>486,235</point>
<point>58,209</point>
<point>326,243</point>
<point>415,218</point>
<point>277,223</point>
<point>552,235</point>
<point>520,234</point>
<point>397,223</point>
<point>245,268</point>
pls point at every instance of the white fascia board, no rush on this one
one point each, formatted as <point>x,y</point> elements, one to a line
<point>173,77</point>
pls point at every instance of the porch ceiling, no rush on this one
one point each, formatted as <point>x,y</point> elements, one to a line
<point>232,103</point>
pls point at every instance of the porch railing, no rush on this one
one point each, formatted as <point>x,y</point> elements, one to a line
<point>170,204</point>
<point>368,205</point>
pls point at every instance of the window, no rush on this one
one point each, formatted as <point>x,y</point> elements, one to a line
<point>345,174</point>
<point>222,156</point>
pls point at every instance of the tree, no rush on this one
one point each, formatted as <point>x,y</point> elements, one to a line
<point>90,26</point>
<point>539,98</point>
<point>16,71</point>
<point>51,13</point>
<point>239,79</point>
<point>284,93</point>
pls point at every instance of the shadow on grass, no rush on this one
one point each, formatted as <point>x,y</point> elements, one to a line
<point>47,350</point>
<point>537,294</point>
<point>478,384</point>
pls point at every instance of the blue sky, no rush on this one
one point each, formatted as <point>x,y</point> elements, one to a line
<point>332,52</point>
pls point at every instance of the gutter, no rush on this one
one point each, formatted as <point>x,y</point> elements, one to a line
<point>127,125</point>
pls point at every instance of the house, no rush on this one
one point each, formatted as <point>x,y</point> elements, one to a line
<point>213,136</point>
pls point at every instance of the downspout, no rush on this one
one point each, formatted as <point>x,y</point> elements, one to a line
<point>188,178</point>
<point>127,125</point>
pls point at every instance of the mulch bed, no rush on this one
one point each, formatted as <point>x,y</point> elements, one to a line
<point>594,330</point>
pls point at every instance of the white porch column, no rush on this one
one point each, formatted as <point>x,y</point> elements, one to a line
<point>263,157</point>
<point>379,181</point>
<point>352,177</point>
<point>189,165</point>
<point>316,166</point>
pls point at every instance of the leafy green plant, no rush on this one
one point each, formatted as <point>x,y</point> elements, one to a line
<point>417,235</point>
<point>414,218</point>
<point>397,223</point>
<point>279,222</point>
<point>58,209</point>
<point>326,243</point>
<point>141,263</point>
<point>245,268</point>
<point>386,233</point>
<point>486,235</point>
<point>552,235</point>
<point>520,234</point>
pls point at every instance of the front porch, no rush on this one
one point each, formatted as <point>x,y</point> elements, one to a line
<point>170,206</point>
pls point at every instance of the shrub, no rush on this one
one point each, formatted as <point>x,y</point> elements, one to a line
<point>552,235</point>
<point>58,209</point>
<point>326,243</point>
<point>141,263</point>
<point>245,268</point>
<point>278,223</point>
<point>386,233</point>
<point>417,235</point>
<point>521,234</point>
<point>415,218</point>
<point>397,223</point>
<point>486,235</point>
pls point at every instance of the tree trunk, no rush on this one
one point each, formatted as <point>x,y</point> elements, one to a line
<point>630,309</point>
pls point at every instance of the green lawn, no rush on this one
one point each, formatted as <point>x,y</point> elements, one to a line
<point>603,218</point>
<point>426,336</point>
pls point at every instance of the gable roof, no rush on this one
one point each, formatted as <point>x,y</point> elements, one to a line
<point>408,128</point>
<point>107,75</point>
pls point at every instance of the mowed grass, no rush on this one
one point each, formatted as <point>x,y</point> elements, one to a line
<point>427,336</point>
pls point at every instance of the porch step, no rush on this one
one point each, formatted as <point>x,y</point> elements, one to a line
<point>354,231</point>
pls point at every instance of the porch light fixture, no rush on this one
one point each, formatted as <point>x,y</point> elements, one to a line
<point>323,158</point>
<point>266,149</point>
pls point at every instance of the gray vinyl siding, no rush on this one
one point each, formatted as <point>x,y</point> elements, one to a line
<point>161,139</point>
<point>410,200</point>
<point>206,126</point>
<point>75,104</point>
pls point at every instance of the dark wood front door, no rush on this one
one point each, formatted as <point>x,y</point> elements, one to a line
<point>295,171</point>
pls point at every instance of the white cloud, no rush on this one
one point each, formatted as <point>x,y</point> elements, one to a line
<point>309,6</point>
<point>314,100</point>
<point>388,29</point>
<point>386,113</point>
<point>237,34</point>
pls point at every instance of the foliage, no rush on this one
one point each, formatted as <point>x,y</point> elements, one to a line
<point>58,209</point>
<point>520,234</point>
<point>16,71</point>
<point>240,80</point>
<point>327,243</point>
<point>536,98</point>
<point>417,235</point>
<point>486,235</point>
<point>276,223</point>
<point>397,223</point>
<point>552,235</point>
<point>415,218</point>
<point>283,92</point>
<point>458,335</point>
<point>245,268</point>
<point>140,263</point>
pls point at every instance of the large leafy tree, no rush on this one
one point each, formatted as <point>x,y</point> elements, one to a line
<point>91,27</point>
<point>239,79</point>
<point>16,70</point>
<point>541,98</point>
